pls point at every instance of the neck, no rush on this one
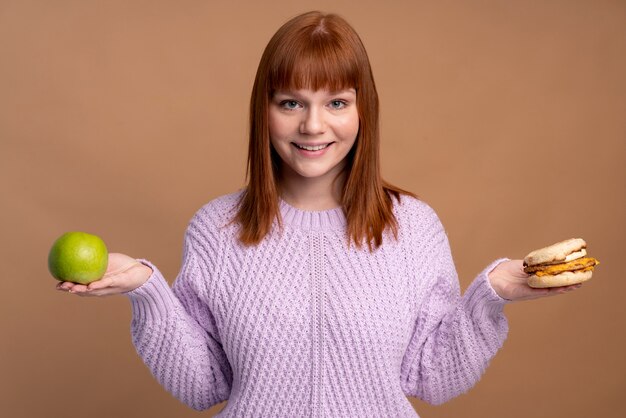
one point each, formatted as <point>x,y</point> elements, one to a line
<point>312,193</point>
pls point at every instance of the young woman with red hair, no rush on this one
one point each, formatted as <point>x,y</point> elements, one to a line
<point>319,289</point>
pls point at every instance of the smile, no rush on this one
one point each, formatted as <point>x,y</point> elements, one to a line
<point>312,148</point>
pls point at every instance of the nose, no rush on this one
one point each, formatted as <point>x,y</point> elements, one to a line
<point>313,122</point>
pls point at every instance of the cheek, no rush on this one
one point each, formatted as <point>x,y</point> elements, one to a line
<point>278,136</point>
<point>272,125</point>
<point>349,128</point>
<point>279,126</point>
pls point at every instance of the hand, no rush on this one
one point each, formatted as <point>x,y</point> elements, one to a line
<point>508,279</point>
<point>123,274</point>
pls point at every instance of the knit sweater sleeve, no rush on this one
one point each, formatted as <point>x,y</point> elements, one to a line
<point>175,333</point>
<point>454,337</point>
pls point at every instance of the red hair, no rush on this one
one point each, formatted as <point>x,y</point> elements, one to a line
<point>317,51</point>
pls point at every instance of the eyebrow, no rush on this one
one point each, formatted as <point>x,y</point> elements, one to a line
<point>344,91</point>
<point>350,90</point>
<point>330,93</point>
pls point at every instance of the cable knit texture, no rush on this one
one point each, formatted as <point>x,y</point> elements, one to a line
<point>303,325</point>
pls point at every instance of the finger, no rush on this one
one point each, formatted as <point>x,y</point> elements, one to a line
<point>569,288</point>
<point>106,281</point>
<point>65,286</point>
<point>78,288</point>
<point>563,289</point>
<point>536,293</point>
<point>573,287</point>
<point>107,291</point>
<point>545,292</point>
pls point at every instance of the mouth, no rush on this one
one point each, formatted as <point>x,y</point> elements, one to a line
<point>312,147</point>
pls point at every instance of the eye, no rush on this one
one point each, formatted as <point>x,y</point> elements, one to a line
<point>338,104</point>
<point>289,104</point>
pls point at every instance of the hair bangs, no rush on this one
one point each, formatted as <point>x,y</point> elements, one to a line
<point>315,62</point>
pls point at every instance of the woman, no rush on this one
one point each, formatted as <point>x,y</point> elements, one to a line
<point>319,289</point>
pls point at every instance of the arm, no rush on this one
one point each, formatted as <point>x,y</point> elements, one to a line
<point>173,330</point>
<point>454,337</point>
<point>175,334</point>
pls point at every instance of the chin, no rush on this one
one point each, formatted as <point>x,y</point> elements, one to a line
<point>313,174</point>
<point>312,170</point>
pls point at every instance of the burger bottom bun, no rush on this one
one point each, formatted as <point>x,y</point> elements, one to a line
<point>563,279</point>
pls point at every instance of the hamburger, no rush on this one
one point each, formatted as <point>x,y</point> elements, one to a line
<point>561,264</point>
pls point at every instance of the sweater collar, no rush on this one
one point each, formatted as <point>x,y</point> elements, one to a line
<point>312,219</point>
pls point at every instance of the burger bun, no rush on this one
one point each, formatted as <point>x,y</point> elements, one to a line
<point>562,279</point>
<point>557,253</point>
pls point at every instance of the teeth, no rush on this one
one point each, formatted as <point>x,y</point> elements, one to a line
<point>316,148</point>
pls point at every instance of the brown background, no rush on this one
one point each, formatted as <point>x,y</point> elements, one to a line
<point>121,118</point>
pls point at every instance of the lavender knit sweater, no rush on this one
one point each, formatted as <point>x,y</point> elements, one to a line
<point>303,326</point>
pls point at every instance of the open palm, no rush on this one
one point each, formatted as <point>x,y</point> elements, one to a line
<point>123,274</point>
<point>509,280</point>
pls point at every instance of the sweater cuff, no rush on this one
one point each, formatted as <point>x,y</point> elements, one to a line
<point>153,299</point>
<point>482,298</point>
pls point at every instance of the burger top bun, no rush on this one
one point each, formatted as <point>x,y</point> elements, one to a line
<point>567,250</point>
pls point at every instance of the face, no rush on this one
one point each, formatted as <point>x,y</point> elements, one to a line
<point>313,131</point>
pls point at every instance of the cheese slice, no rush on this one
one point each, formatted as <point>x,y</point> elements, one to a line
<point>581,264</point>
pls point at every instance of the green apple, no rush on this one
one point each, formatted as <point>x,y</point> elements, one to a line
<point>78,257</point>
